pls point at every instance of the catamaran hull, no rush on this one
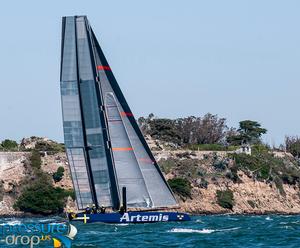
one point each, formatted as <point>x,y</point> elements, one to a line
<point>132,217</point>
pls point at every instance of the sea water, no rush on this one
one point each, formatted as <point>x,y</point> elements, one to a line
<point>203,231</point>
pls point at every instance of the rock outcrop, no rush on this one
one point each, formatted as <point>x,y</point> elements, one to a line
<point>202,168</point>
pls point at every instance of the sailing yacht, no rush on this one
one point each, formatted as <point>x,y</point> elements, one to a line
<point>110,162</point>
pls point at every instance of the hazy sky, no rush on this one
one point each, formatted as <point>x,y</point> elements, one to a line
<point>238,59</point>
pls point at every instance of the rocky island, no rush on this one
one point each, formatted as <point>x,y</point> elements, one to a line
<point>211,168</point>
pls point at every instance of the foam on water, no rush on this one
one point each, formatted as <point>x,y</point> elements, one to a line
<point>295,222</point>
<point>47,220</point>
<point>202,231</point>
<point>11,223</point>
<point>188,230</point>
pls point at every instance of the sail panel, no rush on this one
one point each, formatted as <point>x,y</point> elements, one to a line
<point>68,60</point>
<point>77,161</point>
<point>72,121</point>
<point>127,168</point>
<point>92,124</point>
<point>159,193</point>
<point>162,197</point>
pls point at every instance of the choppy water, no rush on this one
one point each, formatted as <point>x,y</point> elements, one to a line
<point>202,231</point>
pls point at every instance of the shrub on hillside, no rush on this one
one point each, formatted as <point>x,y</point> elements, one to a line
<point>35,159</point>
<point>258,166</point>
<point>49,146</point>
<point>225,198</point>
<point>38,196</point>
<point>42,198</point>
<point>251,203</point>
<point>180,186</point>
<point>232,174</point>
<point>211,147</point>
<point>263,165</point>
<point>166,164</point>
<point>9,145</point>
<point>58,175</point>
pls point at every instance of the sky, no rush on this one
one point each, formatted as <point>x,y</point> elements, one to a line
<point>237,59</point>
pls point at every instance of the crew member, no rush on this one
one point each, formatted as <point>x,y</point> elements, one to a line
<point>102,209</point>
<point>87,209</point>
<point>94,209</point>
<point>122,210</point>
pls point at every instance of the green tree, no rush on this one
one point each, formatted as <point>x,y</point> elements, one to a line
<point>164,129</point>
<point>209,129</point>
<point>9,145</point>
<point>249,132</point>
<point>58,175</point>
<point>292,145</point>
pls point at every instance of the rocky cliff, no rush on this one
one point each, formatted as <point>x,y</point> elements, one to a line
<point>207,172</point>
<point>250,195</point>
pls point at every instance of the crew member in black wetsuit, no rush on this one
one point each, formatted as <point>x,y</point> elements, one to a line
<point>94,209</point>
<point>122,210</point>
<point>102,209</point>
<point>88,209</point>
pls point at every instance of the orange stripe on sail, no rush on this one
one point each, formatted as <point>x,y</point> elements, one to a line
<point>122,149</point>
<point>103,67</point>
<point>126,114</point>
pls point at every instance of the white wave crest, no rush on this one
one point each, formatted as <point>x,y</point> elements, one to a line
<point>12,223</point>
<point>188,230</point>
<point>202,231</point>
<point>47,220</point>
<point>295,222</point>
